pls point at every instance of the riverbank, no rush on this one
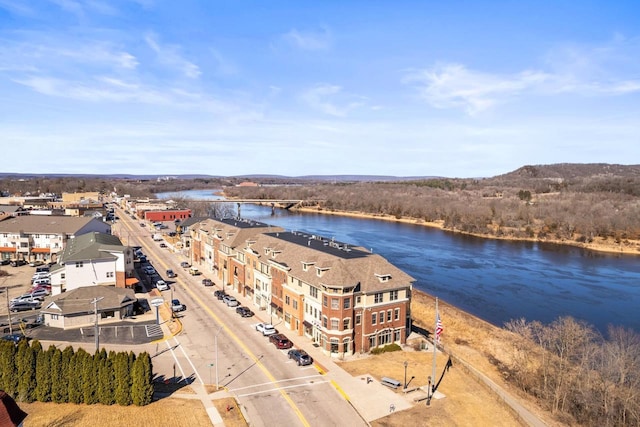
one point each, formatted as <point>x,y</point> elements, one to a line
<point>627,247</point>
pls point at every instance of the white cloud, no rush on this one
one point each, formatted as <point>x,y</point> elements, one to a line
<point>331,100</point>
<point>453,85</point>
<point>170,55</point>
<point>610,69</point>
<point>309,40</point>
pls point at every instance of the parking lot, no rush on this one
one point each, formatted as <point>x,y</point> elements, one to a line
<point>135,330</point>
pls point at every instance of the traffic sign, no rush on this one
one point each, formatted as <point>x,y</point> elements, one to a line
<point>156,302</point>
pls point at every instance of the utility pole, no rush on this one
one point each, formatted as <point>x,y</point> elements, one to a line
<point>96,332</point>
<point>6,291</point>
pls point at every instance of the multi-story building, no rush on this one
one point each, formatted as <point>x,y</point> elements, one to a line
<point>165,215</point>
<point>93,259</point>
<point>40,237</point>
<point>214,248</point>
<point>343,298</point>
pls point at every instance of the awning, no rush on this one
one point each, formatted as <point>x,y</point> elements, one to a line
<point>130,282</point>
<point>40,250</point>
<point>307,324</point>
<point>274,305</point>
<point>7,249</point>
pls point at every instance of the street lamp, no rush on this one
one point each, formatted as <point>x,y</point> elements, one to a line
<point>405,373</point>
<point>215,343</point>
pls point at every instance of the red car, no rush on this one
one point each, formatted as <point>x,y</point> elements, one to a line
<point>280,341</point>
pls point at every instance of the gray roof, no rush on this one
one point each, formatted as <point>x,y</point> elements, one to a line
<point>91,246</point>
<point>79,301</point>
<point>345,267</point>
<point>44,224</point>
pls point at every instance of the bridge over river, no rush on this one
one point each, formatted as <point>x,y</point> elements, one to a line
<point>274,203</point>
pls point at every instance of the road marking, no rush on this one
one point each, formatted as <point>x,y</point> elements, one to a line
<point>188,359</point>
<point>335,384</point>
<point>176,359</point>
<point>280,389</point>
<point>238,341</point>
<point>280,381</point>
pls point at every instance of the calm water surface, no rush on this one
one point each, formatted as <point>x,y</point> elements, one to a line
<point>494,280</point>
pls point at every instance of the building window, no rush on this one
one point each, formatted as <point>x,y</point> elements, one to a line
<point>109,274</point>
<point>374,318</point>
<point>325,300</point>
<point>79,264</point>
<point>397,313</point>
<point>358,318</point>
<point>287,300</point>
<point>325,321</point>
<point>295,304</point>
<point>397,335</point>
<point>372,341</point>
<point>334,324</point>
<point>346,323</point>
<point>378,298</point>
<point>358,299</point>
<point>388,315</point>
<point>393,295</point>
<point>313,292</point>
<point>62,276</point>
<point>381,317</point>
<point>334,304</point>
<point>347,303</point>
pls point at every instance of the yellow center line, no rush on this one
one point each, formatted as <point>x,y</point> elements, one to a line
<point>232,335</point>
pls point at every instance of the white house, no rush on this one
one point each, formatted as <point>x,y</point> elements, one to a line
<point>93,259</point>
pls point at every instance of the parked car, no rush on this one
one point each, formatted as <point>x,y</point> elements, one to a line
<point>300,357</point>
<point>185,264</point>
<point>42,269</point>
<point>244,311</point>
<point>219,294</point>
<point>170,274</point>
<point>42,282</point>
<point>177,306</point>
<point>163,245</point>
<point>14,338</point>
<point>142,224</point>
<point>149,271</point>
<point>280,341</point>
<point>266,329</point>
<point>194,271</point>
<point>230,301</point>
<point>5,262</point>
<point>18,262</point>
<point>36,263</point>
<point>207,282</point>
<point>161,285</point>
<point>143,259</point>
<point>25,305</point>
<point>39,293</point>
<point>24,297</point>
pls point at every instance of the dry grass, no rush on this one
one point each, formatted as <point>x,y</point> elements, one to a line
<point>169,411</point>
<point>230,413</point>
<point>467,403</point>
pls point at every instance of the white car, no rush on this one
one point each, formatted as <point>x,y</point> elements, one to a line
<point>230,301</point>
<point>266,329</point>
<point>161,285</point>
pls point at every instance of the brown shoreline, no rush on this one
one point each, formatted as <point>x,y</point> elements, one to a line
<point>629,247</point>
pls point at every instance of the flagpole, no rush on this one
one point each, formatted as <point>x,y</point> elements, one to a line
<point>435,342</point>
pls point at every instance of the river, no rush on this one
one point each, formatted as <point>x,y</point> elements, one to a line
<point>495,280</point>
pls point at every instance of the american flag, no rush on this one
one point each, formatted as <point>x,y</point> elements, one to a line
<point>439,328</point>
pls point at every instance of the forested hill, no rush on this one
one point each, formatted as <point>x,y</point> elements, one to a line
<point>573,170</point>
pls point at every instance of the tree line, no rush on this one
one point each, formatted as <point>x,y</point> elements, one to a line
<point>577,374</point>
<point>29,373</point>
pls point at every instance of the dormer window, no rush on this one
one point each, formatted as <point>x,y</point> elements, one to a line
<point>321,270</point>
<point>383,277</point>
<point>306,265</point>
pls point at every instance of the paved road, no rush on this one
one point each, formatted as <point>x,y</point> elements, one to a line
<point>272,389</point>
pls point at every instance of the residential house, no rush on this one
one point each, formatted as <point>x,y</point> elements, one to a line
<point>35,237</point>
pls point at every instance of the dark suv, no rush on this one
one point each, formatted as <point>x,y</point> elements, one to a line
<point>280,341</point>
<point>300,356</point>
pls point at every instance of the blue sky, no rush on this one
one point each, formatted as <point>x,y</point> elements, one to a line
<point>404,88</point>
